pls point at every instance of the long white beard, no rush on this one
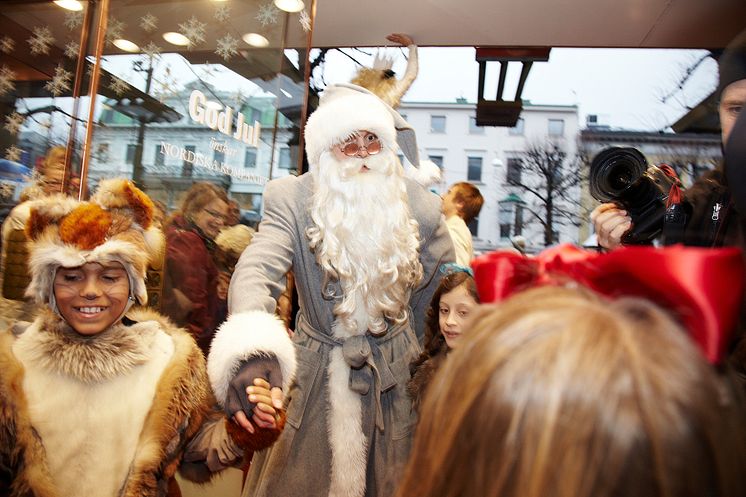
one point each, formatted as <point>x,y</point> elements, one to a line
<point>365,236</point>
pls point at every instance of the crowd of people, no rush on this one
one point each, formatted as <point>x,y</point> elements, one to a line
<point>396,376</point>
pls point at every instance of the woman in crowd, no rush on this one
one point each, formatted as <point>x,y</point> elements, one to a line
<point>452,304</point>
<point>557,393</point>
<point>190,295</point>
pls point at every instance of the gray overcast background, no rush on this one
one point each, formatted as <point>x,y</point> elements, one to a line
<point>624,87</point>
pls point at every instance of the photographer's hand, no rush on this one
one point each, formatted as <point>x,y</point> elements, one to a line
<point>610,223</point>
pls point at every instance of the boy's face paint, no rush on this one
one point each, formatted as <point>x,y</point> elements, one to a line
<point>91,297</point>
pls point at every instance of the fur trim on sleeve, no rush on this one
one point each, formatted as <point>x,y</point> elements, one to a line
<point>245,335</point>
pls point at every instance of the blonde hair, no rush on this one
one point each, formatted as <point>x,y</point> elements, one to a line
<point>556,393</point>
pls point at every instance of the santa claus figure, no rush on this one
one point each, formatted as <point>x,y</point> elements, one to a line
<point>365,243</point>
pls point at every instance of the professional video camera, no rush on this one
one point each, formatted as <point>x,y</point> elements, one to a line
<point>623,175</point>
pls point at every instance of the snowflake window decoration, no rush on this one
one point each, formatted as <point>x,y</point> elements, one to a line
<point>194,30</point>
<point>13,123</point>
<point>7,189</point>
<point>118,86</point>
<point>227,47</point>
<point>13,153</point>
<point>60,82</point>
<point>7,45</point>
<point>267,14</point>
<point>152,50</point>
<point>7,78</point>
<point>41,40</point>
<point>305,21</point>
<point>114,30</point>
<point>73,20</point>
<point>223,12</point>
<point>71,50</point>
<point>149,22</point>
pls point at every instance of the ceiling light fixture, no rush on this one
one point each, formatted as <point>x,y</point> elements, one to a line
<point>255,40</point>
<point>290,5</point>
<point>126,45</point>
<point>176,38</point>
<point>69,4</point>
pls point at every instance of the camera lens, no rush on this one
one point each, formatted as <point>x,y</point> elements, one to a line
<point>614,170</point>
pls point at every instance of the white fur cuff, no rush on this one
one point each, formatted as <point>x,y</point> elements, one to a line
<point>245,335</point>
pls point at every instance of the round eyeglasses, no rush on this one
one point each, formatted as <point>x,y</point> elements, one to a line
<point>370,143</point>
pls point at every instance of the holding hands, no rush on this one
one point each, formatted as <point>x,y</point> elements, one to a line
<point>255,397</point>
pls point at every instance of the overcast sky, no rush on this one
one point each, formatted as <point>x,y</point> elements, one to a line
<point>625,87</point>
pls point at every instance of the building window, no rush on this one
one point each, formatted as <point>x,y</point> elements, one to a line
<point>513,175</point>
<point>403,116</point>
<point>505,217</point>
<point>437,159</point>
<point>256,116</point>
<point>186,165</point>
<point>219,156</point>
<point>556,127</point>
<point>402,159</point>
<point>437,124</point>
<point>159,156</point>
<point>249,159</point>
<point>518,128</point>
<point>474,169</point>
<point>518,230</point>
<point>102,152</point>
<point>130,158</point>
<point>473,128</point>
<point>284,158</point>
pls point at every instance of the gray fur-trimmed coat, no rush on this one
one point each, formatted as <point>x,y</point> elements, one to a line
<point>314,457</point>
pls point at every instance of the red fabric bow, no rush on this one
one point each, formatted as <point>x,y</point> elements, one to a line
<point>703,287</point>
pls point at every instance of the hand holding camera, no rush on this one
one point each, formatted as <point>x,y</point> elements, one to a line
<point>634,195</point>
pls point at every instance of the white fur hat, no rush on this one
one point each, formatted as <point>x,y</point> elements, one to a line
<point>345,108</point>
<point>115,225</point>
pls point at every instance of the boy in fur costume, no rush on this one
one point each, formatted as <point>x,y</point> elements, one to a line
<point>96,400</point>
<point>365,243</point>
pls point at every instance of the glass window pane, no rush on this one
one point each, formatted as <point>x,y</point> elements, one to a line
<point>518,128</point>
<point>556,127</point>
<point>473,128</point>
<point>437,124</point>
<point>474,169</point>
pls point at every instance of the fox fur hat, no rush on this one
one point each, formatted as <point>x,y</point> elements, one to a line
<point>114,226</point>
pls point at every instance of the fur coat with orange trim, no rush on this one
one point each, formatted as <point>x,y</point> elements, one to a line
<point>112,415</point>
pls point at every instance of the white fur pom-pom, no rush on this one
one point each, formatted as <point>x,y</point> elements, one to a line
<point>428,174</point>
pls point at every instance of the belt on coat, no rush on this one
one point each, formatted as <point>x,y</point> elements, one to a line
<point>361,351</point>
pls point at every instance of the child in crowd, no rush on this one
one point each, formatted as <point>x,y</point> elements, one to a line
<point>558,393</point>
<point>97,399</point>
<point>453,302</point>
<point>461,205</point>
